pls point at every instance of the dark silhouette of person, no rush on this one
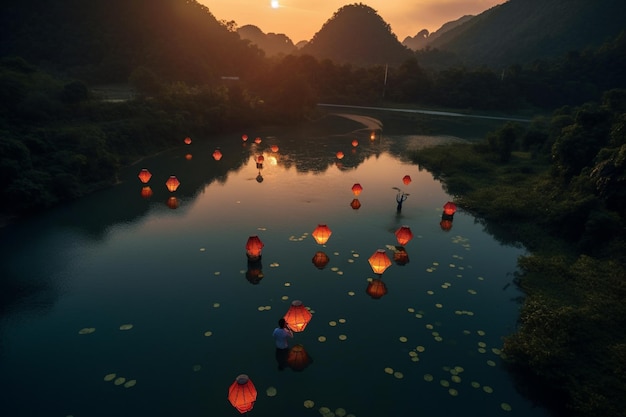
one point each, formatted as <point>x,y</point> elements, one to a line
<point>400,198</point>
<point>281,335</point>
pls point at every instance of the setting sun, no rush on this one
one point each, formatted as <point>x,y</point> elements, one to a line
<point>275,4</point>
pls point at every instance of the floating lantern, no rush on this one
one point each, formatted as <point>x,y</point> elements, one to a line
<point>406,179</point>
<point>404,235</point>
<point>355,143</point>
<point>217,154</point>
<point>172,203</point>
<point>320,260</point>
<point>257,140</point>
<point>376,288</point>
<point>400,256</point>
<point>372,135</point>
<point>445,225</point>
<point>339,155</point>
<point>242,394</point>
<point>356,189</point>
<point>321,234</point>
<point>297,316</point>
<point>172,183</point>
<point>379,261</point>
<point>254,247</point>
<point>187,141</point>
<point>355,204</point>
<point>274,148</point>
<point>144,176</point>
<point>297,358</point>
<point>188,157</point>
<point>244,138</point>
<point>260,159</point>
<point>146,192</point>
<point>449,208</point>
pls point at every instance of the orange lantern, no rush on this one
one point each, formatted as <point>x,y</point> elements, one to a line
<point>379,261</point>
<point>187,141</point>
<point>445,225</point>
<point>406,179</point>
<point>376,288</point>
<point>372,135</point>
<point>321,234</point>
<point>340,155</point>
<point>297,316</point>
<point>404,235</point>
<point>260,159</point>
<point>217,154</point>
<point>242,394</point>
<point>254,247</point>
<point>449,208</point>
<point>188,157</point>
<point>144,175</point>
<point>257,140</point>
<point>146,192</point>
<point>274,148</point>
<point>356,189</point>
<point>173,203</point>
<point>297,358</point>
<point>355,143</point>
<point>244,137</point>
<point>172,183</point>
<point>320,260</point>
<point>355,204</point>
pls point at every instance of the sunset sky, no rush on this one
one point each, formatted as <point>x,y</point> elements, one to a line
<point>301,19</point>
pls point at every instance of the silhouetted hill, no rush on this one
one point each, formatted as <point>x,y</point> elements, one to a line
<point>522,31</point>
<point>270,43</point>
<point>356,34</point>
<point>423,37</point>
<point>105,40</point>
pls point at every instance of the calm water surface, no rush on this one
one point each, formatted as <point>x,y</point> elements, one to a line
<point>201,315</point>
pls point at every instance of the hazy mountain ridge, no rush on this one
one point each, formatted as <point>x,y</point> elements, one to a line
<point>270,43</point>
<point>423,38</point>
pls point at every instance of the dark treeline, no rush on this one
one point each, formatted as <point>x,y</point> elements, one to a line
<point>558,186</point>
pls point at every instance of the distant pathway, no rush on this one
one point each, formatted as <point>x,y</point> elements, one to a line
<point>431,112</point>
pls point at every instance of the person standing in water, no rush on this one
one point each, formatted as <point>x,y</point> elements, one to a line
<point>281,334</point>
<point>400,198</point>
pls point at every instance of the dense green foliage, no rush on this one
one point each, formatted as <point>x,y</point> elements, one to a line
<point>557,186</point>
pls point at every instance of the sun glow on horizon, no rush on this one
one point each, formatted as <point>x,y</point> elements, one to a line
<point>274,4</point>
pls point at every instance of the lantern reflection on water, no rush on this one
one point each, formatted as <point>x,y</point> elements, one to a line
<point>144,176</point>
<point>298,358</point>
<point>400,256</point>
<point>173,203</point>
<point>189,157</point>
<point>242,394</point>
<point>297,317</point>
<point>146,192</point>
<point>254,273</point>
<point>355,204</point>
<point>376,288</point>
<point>320,260</point>
<point>172,183</point>
<point>321,234</point>
<point>404,235</point>
<point>356,189</point>
<point>254,247</point>
<point>379,261</point>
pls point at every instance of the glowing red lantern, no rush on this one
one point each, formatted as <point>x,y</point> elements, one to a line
<point>144,175</point>
<point>355,204</point>
<point>321,234</point>
<point>356,189</point>
<point>172,203</point>
<point>188,141</point>
<point>297,316</point>
<point>146,192</point>
<point>404,235</point>
<point>217,154</point>
<point>242,394</point>
<point>172,183</point>
<point>445,225</point>
<point>260,159</point>
<point>254,247</point>
<point>257,140</point>
<point>244,137</point>
<point>274,148</point>
<point>355,143</point>
<point>376,288</point>
<point>297,358</point>
<point>340,155</point>
<point>320,260</point>
<point>406,179</point>
<point>449,208</point>
<point>379,261</point>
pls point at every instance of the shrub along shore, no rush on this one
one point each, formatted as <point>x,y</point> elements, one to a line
<point>557,187</point>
